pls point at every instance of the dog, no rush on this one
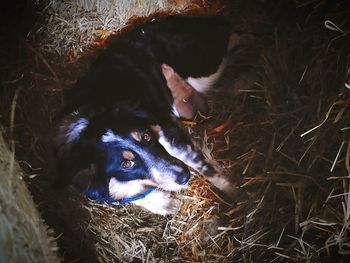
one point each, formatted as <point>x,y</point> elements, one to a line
<point>117,136</point>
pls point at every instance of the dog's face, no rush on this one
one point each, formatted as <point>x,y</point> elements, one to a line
<point>126,161</point>
<point>137,160</point>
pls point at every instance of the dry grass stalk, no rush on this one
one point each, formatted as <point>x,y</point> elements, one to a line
<point>74,26</point>
<point>279,128</point>
<point>24,237</point>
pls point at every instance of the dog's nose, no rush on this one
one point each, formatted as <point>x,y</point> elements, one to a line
<point>183,177</point>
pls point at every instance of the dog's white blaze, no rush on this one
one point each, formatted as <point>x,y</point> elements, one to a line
<point>75,129</point>
<point>119,190</point>
<point>159,202</point>
<point>110,136</point>
<point>203,84</point>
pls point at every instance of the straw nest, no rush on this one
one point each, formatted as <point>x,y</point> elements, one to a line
<point>278,127</point>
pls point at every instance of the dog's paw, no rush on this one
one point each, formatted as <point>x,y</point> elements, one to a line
<point>172,207</point>
<point>223,184</point>
<point>159,202</point>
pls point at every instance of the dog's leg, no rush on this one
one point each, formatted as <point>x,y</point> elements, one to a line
<point>159,202</point>
<point>187,101</point>
<point>178,144</point>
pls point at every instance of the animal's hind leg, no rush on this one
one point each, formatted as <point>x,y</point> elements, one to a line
<point>187,101</point>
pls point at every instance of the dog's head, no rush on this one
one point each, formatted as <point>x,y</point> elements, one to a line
<point>116,152</point>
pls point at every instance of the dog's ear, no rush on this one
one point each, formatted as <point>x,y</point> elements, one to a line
<point>76,167</point>
<point>68,132</point>
<point>74,160</point>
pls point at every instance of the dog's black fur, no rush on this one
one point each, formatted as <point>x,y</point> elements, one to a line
<point>118,120</point>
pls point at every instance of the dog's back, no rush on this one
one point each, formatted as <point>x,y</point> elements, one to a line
<point>193,46</point>
<point>129,67</point>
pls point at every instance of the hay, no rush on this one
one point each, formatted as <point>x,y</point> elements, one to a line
<point>278,127</point>
<point>285,135</point>
<point>24,237</point>
<point>74,26</point>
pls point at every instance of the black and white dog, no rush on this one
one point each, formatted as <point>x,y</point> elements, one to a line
<point>117,136</point>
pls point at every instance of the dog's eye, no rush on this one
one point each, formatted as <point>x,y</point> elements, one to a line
<point>126,164</point>
<point>146,136</point>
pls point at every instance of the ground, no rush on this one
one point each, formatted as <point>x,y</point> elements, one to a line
<point>278,126</point>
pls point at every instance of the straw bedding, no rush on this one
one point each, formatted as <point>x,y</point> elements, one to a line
<point>278,127</point>
<point>23,237</point>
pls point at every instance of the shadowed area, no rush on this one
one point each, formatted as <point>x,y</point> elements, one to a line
<point>277,125</point>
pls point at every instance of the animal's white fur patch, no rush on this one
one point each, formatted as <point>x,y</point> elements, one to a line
<point>110,136</point>
<point>223,184</point>
<point>187,156</point>
<point>165,181</point>
<point>75,129</point>
<point>203,84</point>
<point>159,202</point>
<point>120,190</point>
<point>69,131</point>
<point>174,151</point>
